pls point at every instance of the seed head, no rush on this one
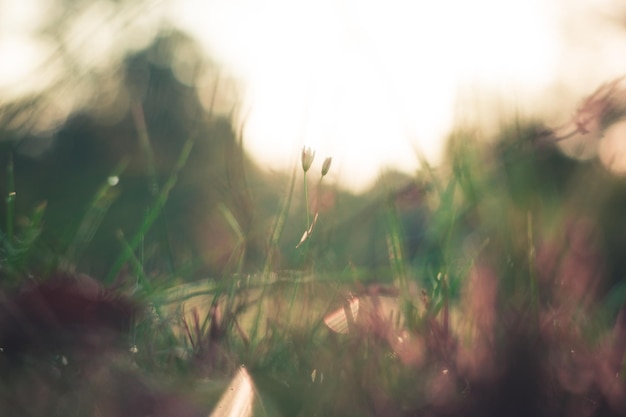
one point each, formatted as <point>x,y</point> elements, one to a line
<point>326,165</point>
<point>308,155</point>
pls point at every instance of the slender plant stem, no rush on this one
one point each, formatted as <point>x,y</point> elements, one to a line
<point>279,225</point>
<point>531,263</point>
<point>306,201</point>
<point>10,199</point>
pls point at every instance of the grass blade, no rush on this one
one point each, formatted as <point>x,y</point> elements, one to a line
<point>10,199</point>
<point>154,211</point>
<point>279,224</point>
<point>96,212</point>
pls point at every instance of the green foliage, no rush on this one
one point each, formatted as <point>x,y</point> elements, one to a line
<point>418,298</point>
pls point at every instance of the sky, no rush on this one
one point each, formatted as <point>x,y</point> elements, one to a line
<point>372,82</point>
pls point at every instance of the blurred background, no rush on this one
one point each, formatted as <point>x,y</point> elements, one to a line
<point>369,83</point>
<point>101,102</point>
<point>477,183</point>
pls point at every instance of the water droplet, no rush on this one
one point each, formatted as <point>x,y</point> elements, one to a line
<point>133,349</point>
<point>113,180</point>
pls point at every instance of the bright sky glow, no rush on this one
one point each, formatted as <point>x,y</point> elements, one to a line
<point>368,82</point>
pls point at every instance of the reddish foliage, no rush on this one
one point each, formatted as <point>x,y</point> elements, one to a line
<point>61,314</point>
<point>65,352</point>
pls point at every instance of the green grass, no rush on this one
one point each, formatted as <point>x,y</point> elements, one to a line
<point>437,333</point>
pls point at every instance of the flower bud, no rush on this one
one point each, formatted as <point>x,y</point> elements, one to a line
<point>326,165</point>
<point>308,155</point>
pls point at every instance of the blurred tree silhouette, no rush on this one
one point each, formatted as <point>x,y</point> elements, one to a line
<point>77,43</point>
<point>140,115</point>
<point>524,180</point>
<point>135,104</point>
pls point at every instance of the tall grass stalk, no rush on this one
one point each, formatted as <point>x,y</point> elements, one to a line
<point>276,233</point>
<point>144,140</point>
<point>96,212</point>
<point>18,251</point>
<point>239,250</point>
<point>308,155</point>
<point>154,212</point>
<point>534,301</point>
<point>10,199</point>
<point>142,282</point>
<point>306,202</point>
<point>394,246</point>
<point>279,225</point>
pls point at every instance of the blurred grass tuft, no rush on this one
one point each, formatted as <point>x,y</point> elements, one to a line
<point>490,285</point>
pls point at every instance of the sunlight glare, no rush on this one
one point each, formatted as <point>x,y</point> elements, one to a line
<point>238,399</point>
<point>369,82</point>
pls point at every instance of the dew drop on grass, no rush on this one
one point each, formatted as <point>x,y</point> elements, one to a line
<point>113,180</point>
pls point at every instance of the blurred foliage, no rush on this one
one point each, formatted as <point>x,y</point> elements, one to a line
<point>103,170</point>
<point>133,132</point>
<point>491,285</point>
